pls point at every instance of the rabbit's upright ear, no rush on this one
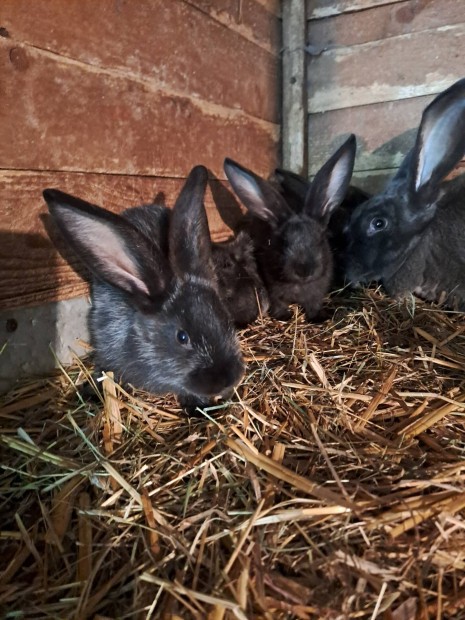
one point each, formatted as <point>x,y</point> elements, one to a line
<point>440,142</point>
<point>110,246</point>
<point>331,182</point>
<point>190,243</point>
<point>258,195</point>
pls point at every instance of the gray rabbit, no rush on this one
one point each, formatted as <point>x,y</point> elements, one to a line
<point>292,248</point>
<point>240,285</point>
<point>411,237</point>
<point>294,189</point>
<point>156,319</point>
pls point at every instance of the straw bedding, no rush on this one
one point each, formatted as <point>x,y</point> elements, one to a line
<point>332,487</point>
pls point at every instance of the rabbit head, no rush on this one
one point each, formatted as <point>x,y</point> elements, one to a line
<point>294,188</point>
<point>292,247</point>
<point>156,320</point>
<point>402,236</point>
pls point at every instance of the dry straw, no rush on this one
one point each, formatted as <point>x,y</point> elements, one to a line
<point>332,487</point>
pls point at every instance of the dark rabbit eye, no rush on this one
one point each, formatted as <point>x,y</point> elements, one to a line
<point>377,224</point>
<point>182,336</point>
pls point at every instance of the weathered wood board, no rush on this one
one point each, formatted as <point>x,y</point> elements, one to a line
<point>408,65</point>
<point>115,102</point>
<point>328,8</point>
<point>383,22</point>
<point>172,46</point>
<point>65,115</point>
<point>31,269</point>
<point>253,20</point>
<point>372,69</point>
<point>385,132</point>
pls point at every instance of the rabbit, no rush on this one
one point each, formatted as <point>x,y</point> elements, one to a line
<point>292,248</point>
<point>294,188</point>
<point>240,285</point>
<point>411,236</point>
<point>156,318</point>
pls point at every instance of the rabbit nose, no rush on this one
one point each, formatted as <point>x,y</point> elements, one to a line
<point>303,270</point>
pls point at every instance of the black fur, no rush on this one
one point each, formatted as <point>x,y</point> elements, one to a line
<point>240,285</point>
<point>411,236</point>
<point>292,248</point>
<point>294,188</point>
<point>156,319</point>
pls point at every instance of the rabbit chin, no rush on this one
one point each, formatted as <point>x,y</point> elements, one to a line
<point>215,381</point>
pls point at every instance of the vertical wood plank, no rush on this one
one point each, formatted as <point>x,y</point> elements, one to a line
<point>294,96</point>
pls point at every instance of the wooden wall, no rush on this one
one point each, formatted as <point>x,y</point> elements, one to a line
<point>373,67</point>
<point>115,101</point>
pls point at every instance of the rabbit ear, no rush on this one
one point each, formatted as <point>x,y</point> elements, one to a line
<point>190,243</point>
<point>259,196</point>
<point>331,182</point>
<point>110,246</point>
<point>440,143</point>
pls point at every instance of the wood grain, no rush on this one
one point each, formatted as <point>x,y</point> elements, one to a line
<point>172,44</point>
<point>410,65</point>
<point>383,22</point>
<point>64,115</point>
<point>317,9</point>
<point>385,132</point>
<point>31,270</point>
<point>294,91</point>
<point>253,20</point>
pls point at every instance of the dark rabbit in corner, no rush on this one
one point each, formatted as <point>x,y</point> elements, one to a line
<point>240,285</point>
<point>411,237</point>
<point>156,319</point>
<point>292,249</point>
<point>294,188</point>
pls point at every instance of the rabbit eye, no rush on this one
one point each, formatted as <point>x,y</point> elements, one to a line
<point>182,337</point>
<point>377,224</point>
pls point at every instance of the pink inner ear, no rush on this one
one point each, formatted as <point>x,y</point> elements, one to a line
<point>105,251</point>
<point>336,180</point>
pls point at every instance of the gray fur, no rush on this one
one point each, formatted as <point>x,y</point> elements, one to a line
<point>292,248</point>
<point>136,334</point>
<point>411,237</point>
<point>240,285</point>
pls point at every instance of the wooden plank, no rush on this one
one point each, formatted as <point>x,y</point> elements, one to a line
<point>273,6</point>
<point>374,181</point>
<point>31,270</point>
<point>385,132</point>
<point>252,20</point>
<point>335,78</point>
<point>294,95</point>
<point>67,115</point>
<point>383,22</point>
<point>171,44</point>
<point>326,8</point>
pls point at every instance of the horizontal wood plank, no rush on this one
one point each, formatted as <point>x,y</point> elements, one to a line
<point>383,22</point>
<point>32,271</point>
<point>171,44</point>
<point>66,115</point>
<point>380,71</point>
<point>385,132</point>
<point>252,20</point>
<point>316,9</point>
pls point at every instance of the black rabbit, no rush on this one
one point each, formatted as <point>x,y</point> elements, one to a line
<point>240,285</point>
<point>294,189</point>
<point>156,319</point>
<point>411,237</point>
<point>292,248</point>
